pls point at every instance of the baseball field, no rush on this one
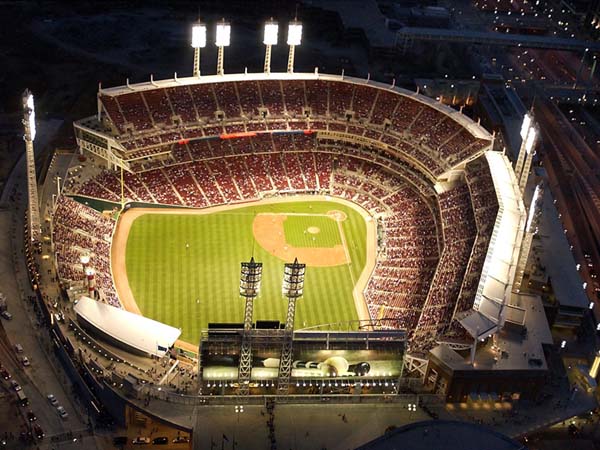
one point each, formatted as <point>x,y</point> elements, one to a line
<point>183,267</point>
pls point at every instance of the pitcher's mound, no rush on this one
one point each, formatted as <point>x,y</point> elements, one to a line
<point>314,230</point>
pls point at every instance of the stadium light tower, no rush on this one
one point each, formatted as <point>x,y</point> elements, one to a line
<point>531,229</point>
<point>293,289</point>
<point>222,40</point>
<point>198,42</point>
<point>270,39</point>
<point>250,277</point>
<point>33,217</point>
<point>294,38</point>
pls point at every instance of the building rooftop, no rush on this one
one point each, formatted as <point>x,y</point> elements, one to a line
<point>442,434</point>
<point>509,349</point>
<point>363,14</point>
<point>555,255</point>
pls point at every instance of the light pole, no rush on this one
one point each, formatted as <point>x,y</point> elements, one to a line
<point>198,42</point>
<point>29,129</point>
<point>270,39</point>
<point>412,407</point>
<point>294,38</point>
<point>223,39</point>
<point>238,410</point>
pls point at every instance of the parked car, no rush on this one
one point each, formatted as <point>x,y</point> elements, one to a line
<point>16,386</point>
<point>52,399</point>
<point>6,315</point>
<point>62,413</point>
<point>31,416</point>
<point>19,348</point>
<point>39,433</point>
<point>25,361</point>
<point>141,440</point>
<point>181,440</point>
<point>5,373</point>
<point>162,440</point>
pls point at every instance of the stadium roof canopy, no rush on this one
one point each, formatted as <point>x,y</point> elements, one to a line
<point>474,127</point>
<point>132,331</point>
<point>497,276</point>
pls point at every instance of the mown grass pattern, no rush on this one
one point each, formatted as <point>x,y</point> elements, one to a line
<point>184,269</point>
<point>297,234</point>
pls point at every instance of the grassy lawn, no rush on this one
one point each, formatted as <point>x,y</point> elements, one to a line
<point>297,231</point>
<point>183,269</point>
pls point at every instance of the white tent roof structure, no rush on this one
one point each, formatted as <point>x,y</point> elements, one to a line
<point>137,332</point>
<point>497,276</point>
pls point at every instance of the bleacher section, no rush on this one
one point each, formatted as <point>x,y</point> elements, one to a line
<point>78,230</point>
<point>145,120</point>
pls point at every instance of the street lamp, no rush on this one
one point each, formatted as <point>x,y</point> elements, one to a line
<point>223,39</point>
<point>270,39</point>
<point>238,409</point>
<point>198,42</point>
<point>294,38</point>
<point>412,407</point>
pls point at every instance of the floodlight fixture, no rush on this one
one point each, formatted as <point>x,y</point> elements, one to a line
<point>294,33</point>
<point>250,278</point>
<point>223,39</point>
<point>271,33</point>
<point>29,111</point>
<point>223,36</point>
<point>29,102</point>
<point>198,35</point>
<point>525,126</point>
<point>531,139</point>
<point>293,279</point>
<point>294,38</point>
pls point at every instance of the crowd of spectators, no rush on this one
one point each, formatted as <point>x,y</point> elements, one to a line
<point>146,121</point>
<point>79,230</point>
<point>459,229</point>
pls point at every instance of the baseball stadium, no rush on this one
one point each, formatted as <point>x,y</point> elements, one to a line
<point>269,231</point>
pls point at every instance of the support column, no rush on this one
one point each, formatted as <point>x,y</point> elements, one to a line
<point>267,66</point>
<point>197,62</point>
<point>220,56</point>
<point>291,54</point>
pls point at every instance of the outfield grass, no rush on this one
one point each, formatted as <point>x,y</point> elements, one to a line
<point>187,287</point>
